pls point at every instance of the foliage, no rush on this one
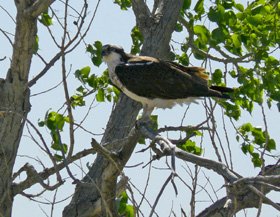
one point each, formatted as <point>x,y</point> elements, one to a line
<point>137,40</point>
<point>124,4</point>
<point>254,140</point>
<point>238,35</point>
<point>55,122</point>
<point>92,83</point>
<point>190,145</point>
<point>124,209</point>
<point>46,19</point>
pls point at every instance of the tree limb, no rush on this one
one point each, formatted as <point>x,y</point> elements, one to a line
<point>38,7</point>
<point>218,167</point>
<point>32,179</point>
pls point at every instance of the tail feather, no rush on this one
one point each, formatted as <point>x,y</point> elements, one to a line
<point>223,91</point>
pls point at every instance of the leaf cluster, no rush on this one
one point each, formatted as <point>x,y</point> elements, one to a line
<point>55,122</point>
<point>125,209</point>
<point>190,145</point>
<point>254,139</point>
<point>92,83</point>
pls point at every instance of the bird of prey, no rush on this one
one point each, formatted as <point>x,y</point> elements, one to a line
<point>157,83</point>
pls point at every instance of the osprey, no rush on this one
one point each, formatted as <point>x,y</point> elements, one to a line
<point>157,83</point>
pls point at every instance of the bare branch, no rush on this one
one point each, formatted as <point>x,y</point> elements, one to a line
<point>218,167</point>
<point>2,59</point>
<point>8,13</point>
<point>31,180</point>
<point>160,193</point>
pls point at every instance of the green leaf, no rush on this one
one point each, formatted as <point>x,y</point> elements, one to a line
<point>183,59</point>
<point>154,122</point>
<point>137,40</point>
<point>141,140</point>
<point>216,14</point>
<point>95,52</point>
<point>82,74</point>
<point>125,209</point>
<point>77,100</point>
<point>239,7</point>
<point>41,123</point>
<point>244,148</point>
<point>251,148</point>
<point>36,45</point>
<point>191,147</point>
<point>255,19</point>
<point>228,4</point>
<point>199,8</point>
<point>217,77</point>
<point>259,137</point>
<point>271,145</point>
<point>58,157</point>
<point>202,32</point>
<point>236,40</point>
<point>231,19</point>
<point>55,121</point>
<point>124,4</point>
<point>45,19</point>
<point>178,27</point>
<point>186,4</point>
<point>60,147</point>
<point>232,110</point>
<point>220,34</point>
<point>100,96</point>
<point>129,211</point>
<point>257,161</point>
<point>233,44</point>
<point>247,127</point>
<point>93,81</point>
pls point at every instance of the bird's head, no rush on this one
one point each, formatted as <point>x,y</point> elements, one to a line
<point>113,54</point>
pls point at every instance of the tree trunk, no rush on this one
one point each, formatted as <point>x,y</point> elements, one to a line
<point>14,95</point>
<point>95,196</point>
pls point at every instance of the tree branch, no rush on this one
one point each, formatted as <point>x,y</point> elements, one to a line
<point>38,7</point>
<point>218,167</point>
<point>141,12</point>
<point>32,179</point>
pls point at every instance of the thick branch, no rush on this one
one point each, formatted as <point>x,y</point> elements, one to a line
<point>247,192</point>
<point>218,167</point>
<point>38,7</point>
<point>141,11</point>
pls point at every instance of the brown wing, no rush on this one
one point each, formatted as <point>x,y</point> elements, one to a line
<point>193,70</point>
<point>153,78</point>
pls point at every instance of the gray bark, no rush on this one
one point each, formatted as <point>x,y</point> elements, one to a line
<point>14,95</point>
<point>95,195</point>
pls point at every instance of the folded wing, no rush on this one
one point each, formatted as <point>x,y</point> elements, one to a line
<point>153,78</point>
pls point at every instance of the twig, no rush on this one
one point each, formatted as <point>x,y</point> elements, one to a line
<point>160,193</point>
<point>65,160</point>
<point>2,59</point>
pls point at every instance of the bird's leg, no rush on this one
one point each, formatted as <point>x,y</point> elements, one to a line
<point>145,119</point>
<point>147,111</point>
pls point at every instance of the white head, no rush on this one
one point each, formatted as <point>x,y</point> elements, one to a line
<point>113,55</point>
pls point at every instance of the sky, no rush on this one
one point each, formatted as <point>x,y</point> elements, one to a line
<point>113,26</point>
